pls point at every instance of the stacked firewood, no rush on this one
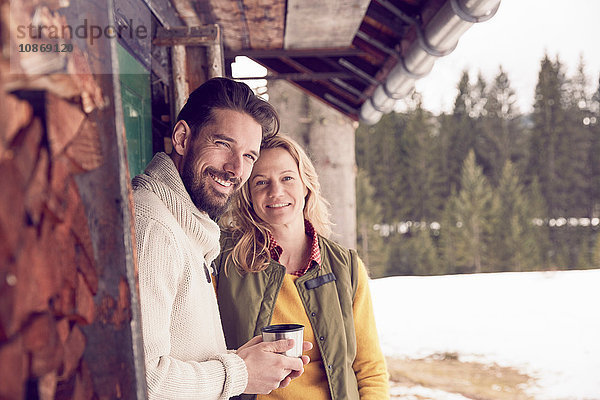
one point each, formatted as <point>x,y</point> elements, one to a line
<point>48,273</point>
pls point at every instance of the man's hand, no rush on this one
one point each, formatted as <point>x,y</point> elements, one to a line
<point>306,346</point>
<point>266,369</point>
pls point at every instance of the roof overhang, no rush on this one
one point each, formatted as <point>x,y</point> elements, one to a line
<point>358,56</point>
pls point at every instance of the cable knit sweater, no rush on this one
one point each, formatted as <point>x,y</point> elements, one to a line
<point>184,346</point>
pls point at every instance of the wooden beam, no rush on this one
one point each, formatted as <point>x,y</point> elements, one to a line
<point>204,35</point>
<point>310,85</point>
<point>359,72</point>
<point>164,12</point>
<point>319,53</point>
<point>303,76</point>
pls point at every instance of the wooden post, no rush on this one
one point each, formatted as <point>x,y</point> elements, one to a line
<point>181,90</point>
<point>214,53</point>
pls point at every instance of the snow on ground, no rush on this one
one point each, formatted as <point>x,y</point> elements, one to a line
<point>546,324</point>
<point>420,392</point>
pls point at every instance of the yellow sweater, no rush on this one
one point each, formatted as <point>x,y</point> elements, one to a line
<point>369,365</point>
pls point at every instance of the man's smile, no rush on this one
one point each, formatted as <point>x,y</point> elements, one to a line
<point>222,182</point>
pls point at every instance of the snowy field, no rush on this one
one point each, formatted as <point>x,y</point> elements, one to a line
<point>546,324</point>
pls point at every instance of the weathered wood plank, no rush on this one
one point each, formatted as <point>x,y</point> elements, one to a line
<point>196,62</point>
<point>164,11</point>
<point>332,24</point>
<point>187,36</point>
<point>266,23</point>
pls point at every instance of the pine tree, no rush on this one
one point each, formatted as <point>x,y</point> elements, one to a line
<point>460,131</point>
<point>427,261</point>
<point>574,146</point>
<point>448,236</point>
<point>422,184</point>
<point>594,152</point>
<point>577,168</point>
<point>538,212</point>
<point>502,138</point>
<point>596,253</point>
<point>473,219</point>
<point>379,151</point>
<point>370,244</point>
<point>548,160</point>
<point>401,258</point>
<point>548,122</point>
<point>584,254</point>
<point>448,180</point>
<point>479,98</point>
<point>513,245</point>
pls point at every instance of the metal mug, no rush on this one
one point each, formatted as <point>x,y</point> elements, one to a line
<point>273,333</point>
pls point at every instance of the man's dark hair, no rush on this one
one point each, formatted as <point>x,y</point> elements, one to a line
<point>227,94</point>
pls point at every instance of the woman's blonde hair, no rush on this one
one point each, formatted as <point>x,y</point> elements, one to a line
<point>250,253</point>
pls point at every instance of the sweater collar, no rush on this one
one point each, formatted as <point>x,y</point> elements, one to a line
<point>162,178</point>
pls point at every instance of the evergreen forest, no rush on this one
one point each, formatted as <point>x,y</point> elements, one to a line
<point>484,188</point>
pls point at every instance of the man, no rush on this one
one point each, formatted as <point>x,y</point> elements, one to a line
<point>216,140</point>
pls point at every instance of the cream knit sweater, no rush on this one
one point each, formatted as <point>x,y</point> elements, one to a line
<point>184,346</point>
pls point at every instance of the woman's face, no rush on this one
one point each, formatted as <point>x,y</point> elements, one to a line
<point>276,189</point>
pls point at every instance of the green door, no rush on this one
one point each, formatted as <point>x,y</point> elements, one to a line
<point>137,112</point>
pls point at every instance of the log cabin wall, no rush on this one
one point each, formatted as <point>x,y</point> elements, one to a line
<point>69,317</point>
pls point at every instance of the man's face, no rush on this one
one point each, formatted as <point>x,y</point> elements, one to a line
<point>220,160</point>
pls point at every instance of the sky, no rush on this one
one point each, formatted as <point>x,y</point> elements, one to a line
<point>517,38</point>
<point>543,323</point>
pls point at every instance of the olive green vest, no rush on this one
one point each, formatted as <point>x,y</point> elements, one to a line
<point>246,304</point>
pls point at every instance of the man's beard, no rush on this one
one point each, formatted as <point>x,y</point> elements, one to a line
<point>204,197</point>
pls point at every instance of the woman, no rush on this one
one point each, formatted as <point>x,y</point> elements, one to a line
<point>278,267</point>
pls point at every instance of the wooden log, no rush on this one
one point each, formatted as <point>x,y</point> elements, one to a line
<point>63,122</point>
<point>37,282</point>
<point>86,150</point>
<point>18,248</point>
<point>73,348</point>
<point>60,177</point>
<point>41,341</point>
<point>12,217</point>
<point>35,196</point>
<point>13,369</point>
<point>63,329</point>
<point>25,149</point>
<point>15,114</point>
<point>47,386</point>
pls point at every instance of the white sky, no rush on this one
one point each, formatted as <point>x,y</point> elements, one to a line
<point>516,38</point>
